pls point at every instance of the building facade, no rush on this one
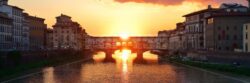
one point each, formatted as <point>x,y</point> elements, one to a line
<point>37,32</point>
<point>224,30</point>
<point>194,28</point>
<point>67,34</point>
<point>5,32</point>
<point>216,29</point>
<point>19,32</point>
<point>178,40</point>
<point>166,35</point>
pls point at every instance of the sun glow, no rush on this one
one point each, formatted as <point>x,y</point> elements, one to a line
<point>124,36</point>
<point>124,56</point>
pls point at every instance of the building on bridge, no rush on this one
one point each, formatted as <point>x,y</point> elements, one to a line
<point>67,34</point>
<point>134,43</point>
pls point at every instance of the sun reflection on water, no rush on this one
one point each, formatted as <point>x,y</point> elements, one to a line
<point>150,57</point>
<point>99,57</point>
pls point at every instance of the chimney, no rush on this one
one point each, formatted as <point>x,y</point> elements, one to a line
<point>209,7</point>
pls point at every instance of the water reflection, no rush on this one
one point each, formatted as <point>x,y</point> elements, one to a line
<point>150,58</point>
<point>123,71</point>
<point>49,75</point>
<point>99,57</point>
<point>125,56</point>
<point>124,61</point>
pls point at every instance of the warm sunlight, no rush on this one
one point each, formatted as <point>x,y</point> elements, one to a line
<point>124,36</point>
<point>99,56</point>
<point>109,17</point>
<point>149,57</point>
<point>124,56</point>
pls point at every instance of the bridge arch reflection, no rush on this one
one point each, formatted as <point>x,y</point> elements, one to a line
<point>125,55</point>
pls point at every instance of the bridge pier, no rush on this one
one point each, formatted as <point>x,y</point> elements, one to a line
<point>139,58</point>
<point>109,57</point>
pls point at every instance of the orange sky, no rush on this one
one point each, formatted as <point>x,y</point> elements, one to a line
<point>115,17</point>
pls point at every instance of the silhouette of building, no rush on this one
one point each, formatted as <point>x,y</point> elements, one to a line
<point>19,32</point>
<point>6,24</point>
<point>37,32</point>
<point>67,34</point>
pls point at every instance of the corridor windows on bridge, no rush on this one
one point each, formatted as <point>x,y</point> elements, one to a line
<point>118,43</point>
<point>124,43</point>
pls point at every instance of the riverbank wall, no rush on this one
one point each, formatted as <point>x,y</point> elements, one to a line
<point>242,59</point>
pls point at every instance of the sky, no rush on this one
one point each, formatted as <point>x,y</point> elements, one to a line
<point>116,17</point>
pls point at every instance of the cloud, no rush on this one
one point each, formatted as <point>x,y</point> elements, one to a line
<point>178,2</point>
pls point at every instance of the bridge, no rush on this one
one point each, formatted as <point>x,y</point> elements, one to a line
<point>136,44</point>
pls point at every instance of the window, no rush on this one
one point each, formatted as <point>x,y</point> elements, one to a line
<point>235,37</point>
<point>227,37</point>
<point>219,48</point>
<point>219,37</point>
<point>210,21</point>
<point>246,36</point>
<point>246,27</point>
<point>235,27</point>
<point>219,28</point>
<point>246,47</point>
<point>227,28</point>
<point>201,44</point>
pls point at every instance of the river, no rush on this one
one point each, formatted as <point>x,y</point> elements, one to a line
<point>123,70</point>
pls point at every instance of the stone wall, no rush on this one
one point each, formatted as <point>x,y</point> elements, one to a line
<point>221,57</point>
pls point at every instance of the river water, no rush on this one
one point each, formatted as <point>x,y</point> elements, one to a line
<point>123,70</point>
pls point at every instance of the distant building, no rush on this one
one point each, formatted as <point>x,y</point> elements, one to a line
<point>37,32</point>
<point>67,34</point>
<point>19,32</point>
<point>246,37</point>
<point>6,24</point>
<point>166,35</point>
<point>177,40</point>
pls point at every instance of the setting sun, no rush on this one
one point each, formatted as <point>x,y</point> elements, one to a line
<point>124,36</point>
